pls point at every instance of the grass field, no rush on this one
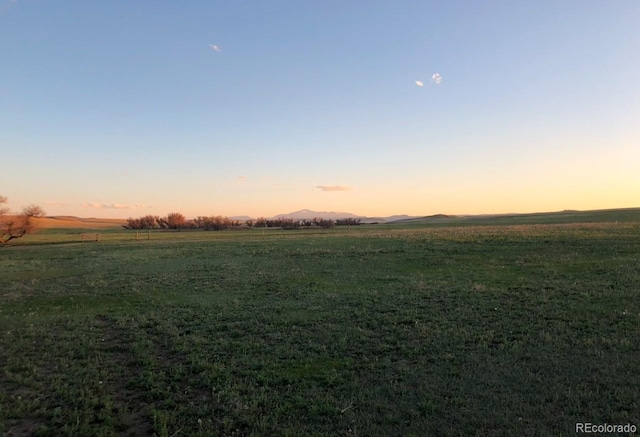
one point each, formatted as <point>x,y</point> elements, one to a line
<point>371,331</point>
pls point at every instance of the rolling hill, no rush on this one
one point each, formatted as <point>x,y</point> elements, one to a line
<point>57,222</point>
<point>567,216</point>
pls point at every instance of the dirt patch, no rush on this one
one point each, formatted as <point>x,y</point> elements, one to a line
<point>24,428</point>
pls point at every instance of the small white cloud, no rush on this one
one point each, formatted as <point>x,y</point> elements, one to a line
<point>333,188</point>
<point>214,47</point>
<point>98,205</point>
<point>436,78</point>
<point>95,205</point>
<point>419,83</point>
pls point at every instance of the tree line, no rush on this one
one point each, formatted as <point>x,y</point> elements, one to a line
<point>175,220</point>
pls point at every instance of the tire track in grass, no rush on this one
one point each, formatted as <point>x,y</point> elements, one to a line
<point>120,368</point>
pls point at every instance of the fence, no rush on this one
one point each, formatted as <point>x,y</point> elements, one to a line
<point>90,237</point>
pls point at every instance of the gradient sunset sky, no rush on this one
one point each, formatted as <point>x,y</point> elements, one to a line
<point>125,108</point>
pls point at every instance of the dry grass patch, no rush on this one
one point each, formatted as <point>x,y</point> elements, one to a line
<point>63,222</point>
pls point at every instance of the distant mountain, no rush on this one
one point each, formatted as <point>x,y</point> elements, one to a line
<point>308,214</point>
<point>333,215</point>
<point>241,218</point>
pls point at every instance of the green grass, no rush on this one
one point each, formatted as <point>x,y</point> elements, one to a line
<point>377,330</point>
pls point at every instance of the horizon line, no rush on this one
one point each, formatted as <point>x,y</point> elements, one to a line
<point>360,216</point>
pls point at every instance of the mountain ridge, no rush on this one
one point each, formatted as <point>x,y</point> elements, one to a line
<point>310,214</point>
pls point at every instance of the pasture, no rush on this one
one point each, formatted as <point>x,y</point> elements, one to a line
<point>369,331</point>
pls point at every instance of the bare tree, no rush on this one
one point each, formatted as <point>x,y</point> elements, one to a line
<point>16,226</point>
<point>175,220</point>
<point>3,209</point>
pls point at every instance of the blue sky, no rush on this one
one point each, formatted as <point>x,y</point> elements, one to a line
<point>121,108</point>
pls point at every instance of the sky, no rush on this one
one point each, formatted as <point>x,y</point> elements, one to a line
<point>126,108</point>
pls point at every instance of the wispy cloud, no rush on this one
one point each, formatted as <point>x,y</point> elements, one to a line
<point>5,5</point>
<point>214,47</point>
<point>333,188</point>
<point>98,205</point>
<point>419,83</point>
<point>436,78</point>
<point>53,203</point>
